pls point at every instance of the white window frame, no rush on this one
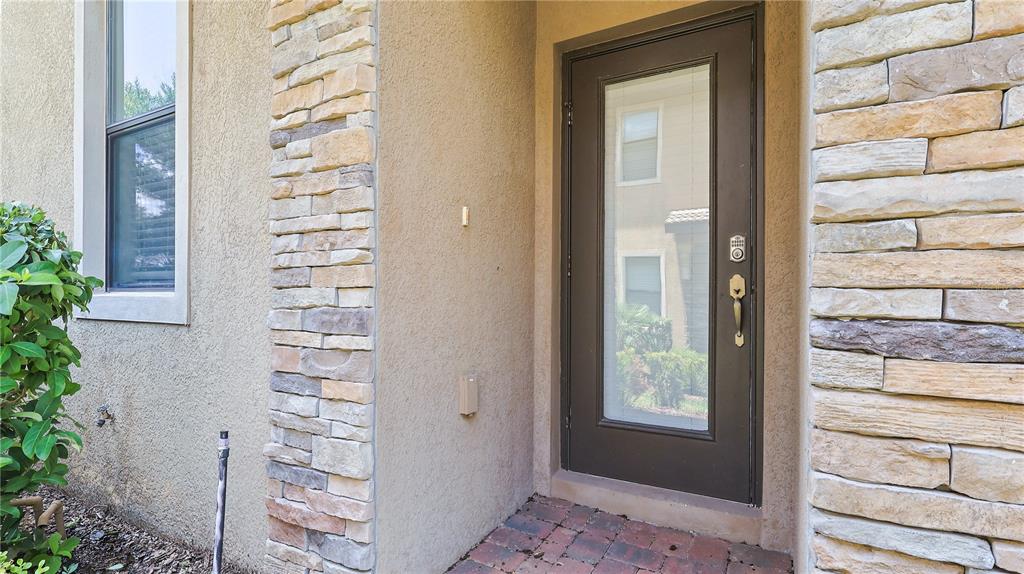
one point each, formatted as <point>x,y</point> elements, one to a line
<point>660,254</point>
<point>90,172</point>
<point>620,118</point>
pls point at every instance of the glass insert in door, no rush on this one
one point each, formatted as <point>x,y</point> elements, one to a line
<point>656,249</point>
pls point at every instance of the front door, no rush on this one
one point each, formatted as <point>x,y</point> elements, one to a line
<point>660,254</point>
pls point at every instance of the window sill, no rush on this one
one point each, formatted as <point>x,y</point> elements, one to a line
<point>169,307</point>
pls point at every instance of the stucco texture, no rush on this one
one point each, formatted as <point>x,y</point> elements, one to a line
<point>456,129</point>
<point>170,388</point>
<point>560,26</point>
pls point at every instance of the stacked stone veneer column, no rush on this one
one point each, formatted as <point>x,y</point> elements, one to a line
<point>320,467</point>
<point>917,289</point>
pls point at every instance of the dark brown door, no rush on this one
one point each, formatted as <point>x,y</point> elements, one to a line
<point>661,258</point>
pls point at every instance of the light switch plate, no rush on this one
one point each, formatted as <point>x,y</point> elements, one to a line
<point>468,395</point>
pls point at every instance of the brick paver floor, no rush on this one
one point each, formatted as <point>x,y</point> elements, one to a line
<point>557,536</point>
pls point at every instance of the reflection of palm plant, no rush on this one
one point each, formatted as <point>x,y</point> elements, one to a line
<point>646,360</point>
<point>643,331</point>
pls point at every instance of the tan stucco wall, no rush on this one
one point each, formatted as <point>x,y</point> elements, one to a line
<point>170,388</point>
<point>455,129</point>
<point>785,258</point>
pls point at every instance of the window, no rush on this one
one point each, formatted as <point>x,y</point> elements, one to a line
<point>643,282</point>
<point>131,156</point>
<point>639,146</point>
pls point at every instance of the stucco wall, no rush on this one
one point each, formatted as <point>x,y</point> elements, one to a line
<point>455,129</point>
<point>170,388</point>
<point>565,22</point>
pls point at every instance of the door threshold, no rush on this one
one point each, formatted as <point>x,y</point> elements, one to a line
<point>726,519</point>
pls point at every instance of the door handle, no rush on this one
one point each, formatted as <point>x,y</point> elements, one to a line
<point>738,290</point>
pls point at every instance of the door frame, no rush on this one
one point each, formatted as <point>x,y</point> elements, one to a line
<point>684,21</point>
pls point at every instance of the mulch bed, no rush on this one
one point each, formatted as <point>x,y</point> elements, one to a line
<point>113,543</point>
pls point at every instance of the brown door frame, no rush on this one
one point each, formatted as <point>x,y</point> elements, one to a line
<point>685,21</point>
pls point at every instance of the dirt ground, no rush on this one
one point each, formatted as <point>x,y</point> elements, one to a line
<point>112,543</point>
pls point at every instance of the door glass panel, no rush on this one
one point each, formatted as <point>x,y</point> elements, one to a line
<point>657,239</point>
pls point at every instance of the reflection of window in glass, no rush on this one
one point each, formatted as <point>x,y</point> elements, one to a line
<point>643,282</point>
<point>639,146</point>
<point>140,144</point>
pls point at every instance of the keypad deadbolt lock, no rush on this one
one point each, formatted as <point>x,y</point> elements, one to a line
<point>737,248</point>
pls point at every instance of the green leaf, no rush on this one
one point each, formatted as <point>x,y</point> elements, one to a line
<point>57,292</point>
<point>10,253</point>
<point>8,296</point>
<point>56,380</point>
<point>44,446</point>
<point>27,349</point>
<point>28,444</point>
<point>42,279</point>
<point>28,415</point>
<point>7,384</point>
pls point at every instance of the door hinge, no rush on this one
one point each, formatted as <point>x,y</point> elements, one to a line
<point>568,419</point>
<point>568,113</point>
<point>568,266</point>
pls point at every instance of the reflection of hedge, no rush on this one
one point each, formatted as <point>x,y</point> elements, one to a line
<point>646,359</point>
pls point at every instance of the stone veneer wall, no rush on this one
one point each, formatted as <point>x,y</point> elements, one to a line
<point>320,467</point>
<point>917,297</point>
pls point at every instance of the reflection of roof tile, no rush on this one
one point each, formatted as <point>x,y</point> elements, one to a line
<point>684,215</point>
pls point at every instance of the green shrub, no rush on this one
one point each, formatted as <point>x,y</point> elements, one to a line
<point>644,332</point>
<point>39,286</point>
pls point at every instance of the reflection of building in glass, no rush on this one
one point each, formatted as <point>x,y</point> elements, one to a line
<point>693,255</point>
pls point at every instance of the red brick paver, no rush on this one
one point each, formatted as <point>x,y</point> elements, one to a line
<point>553,536</point>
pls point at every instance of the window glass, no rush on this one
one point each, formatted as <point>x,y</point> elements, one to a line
<point>639,145</point>
<point>643,282</point>
<point>142,211</point>
<point>142,57</point>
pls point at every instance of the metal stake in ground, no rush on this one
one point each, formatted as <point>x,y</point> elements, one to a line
<point>222,489</point>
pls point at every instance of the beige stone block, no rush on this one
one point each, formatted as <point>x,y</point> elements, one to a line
<point>292,120</point>
<point>350,487</point>
<point>343,276</point>
<point>346,41</point>
<point>354,297</point>
<point>359,531</point>
<point>294,277</point>
<point>343,148</point>
<point>340,506</point>
<point>998,18</point>
<point>289,167</point>
<point>977,381</point>
<point>287,455</point>
<point>972,232</point>
<point>872,236</point>
<point>985,305</point>
<point>285,533</point>
<point>833,13</point>
<point>988,474</point>
<point>294,555</point>
<point>286,13</point>
<point>344,201</point>
<point>281,189</point>
<point>879,37</point>
<point>298,514</point>
<point>997,63</point>
<point>922,195</point>
<point>318,5</point>
<point>871,159</point>
<point>361,393</point>
<point>354,342</point>
<point>315,183</point>
<point>284,359</point>
<point>298,50</point>
<point>877,303</point>
<point>298,149</point>
<point>851,87</point>
<point>302,298</point>
<point>298,98</point>
<point>290,207</point>
<point>977,150</point>
<point>928,544</point>
<point>357,414</point>
<point>941,116</point>
<point>844,369</point>
<point>280,35</point>
<point>350,81</point>
<point>284,319</point>
<point>319,68</point>
<point>836,556</point>
<point>295,404</point>
<point>305,224</point>
<point>346,431</point>
<point>939,268</point>
<point>1009,555</point>
<point>296,339</point>
<point>918,508</point>
<point>903,462</point>
<point>343,457</point>
<point>343,107</point>
<point>931,419</point>
<point>1013,107</point>
<point>302,424</point>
